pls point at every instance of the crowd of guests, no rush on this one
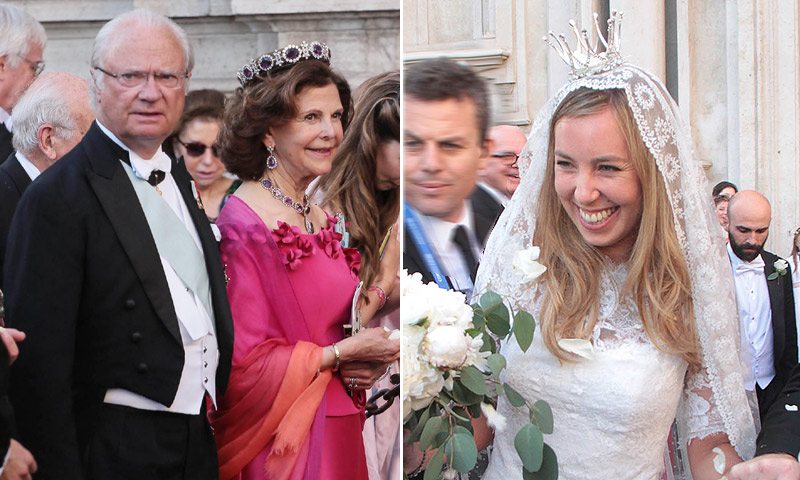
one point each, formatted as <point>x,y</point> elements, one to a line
<point>460,176</point>
<point>188,311</point>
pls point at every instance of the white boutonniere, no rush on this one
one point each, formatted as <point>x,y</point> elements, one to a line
<point>525,262</point>
<point>781,267</point>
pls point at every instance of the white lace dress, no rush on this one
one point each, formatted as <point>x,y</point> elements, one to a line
<point>613,412</point>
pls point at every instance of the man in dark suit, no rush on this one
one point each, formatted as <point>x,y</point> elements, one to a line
<point>22,40</point>
<point>114,274</point>
<point>778,443</point>
<point>447,220</point>
<point>51,118</point>
<point>764,296</point>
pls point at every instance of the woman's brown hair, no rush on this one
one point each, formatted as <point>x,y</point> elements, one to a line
<point>351,185</point>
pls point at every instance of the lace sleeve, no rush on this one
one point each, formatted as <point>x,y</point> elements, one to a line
<point>701,417</point>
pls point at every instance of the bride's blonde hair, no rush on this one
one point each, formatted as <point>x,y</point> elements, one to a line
<point>658,276</point>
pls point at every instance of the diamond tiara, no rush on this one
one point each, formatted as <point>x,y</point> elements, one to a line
<point>288,55</point>
<point>586,59</point>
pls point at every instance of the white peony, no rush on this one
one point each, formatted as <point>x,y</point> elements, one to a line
<point>446,346</point>
<point>525,263</point>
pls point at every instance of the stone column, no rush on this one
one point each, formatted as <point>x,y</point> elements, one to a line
<point>769,111</point>
<point>643,34</point>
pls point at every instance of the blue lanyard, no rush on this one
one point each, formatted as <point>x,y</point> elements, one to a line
<point>421,242</point>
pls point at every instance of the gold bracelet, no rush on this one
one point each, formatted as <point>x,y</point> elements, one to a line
<point>338,358</point>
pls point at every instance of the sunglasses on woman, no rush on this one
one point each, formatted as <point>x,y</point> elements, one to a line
<point>195,149</point>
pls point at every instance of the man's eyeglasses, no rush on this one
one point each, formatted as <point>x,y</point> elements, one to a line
<point>37,67</point>
<point>509,159</point>
<point>137,79</point>
<point>195,149</point>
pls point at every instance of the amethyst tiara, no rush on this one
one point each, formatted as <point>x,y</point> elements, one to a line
<point>288,55</point>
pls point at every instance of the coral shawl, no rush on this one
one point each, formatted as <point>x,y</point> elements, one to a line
<point>275,400</point>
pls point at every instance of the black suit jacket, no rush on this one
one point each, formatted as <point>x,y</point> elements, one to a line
<point>485,211</point>
<point>784,326</point>
<point>6,148</point>
<point>13,182</point>
<point>85,282</point>
<point>780,431</point>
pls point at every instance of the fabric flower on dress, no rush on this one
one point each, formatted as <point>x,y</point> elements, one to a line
<point>329,242</point>
<point>292,245</point>
<point>353,257</point>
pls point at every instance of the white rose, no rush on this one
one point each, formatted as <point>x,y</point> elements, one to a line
<point>447,346</point>
<point>525,262</point>
<point>780,265</point>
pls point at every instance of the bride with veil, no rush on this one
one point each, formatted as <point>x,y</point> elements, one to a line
<point>636,314</point>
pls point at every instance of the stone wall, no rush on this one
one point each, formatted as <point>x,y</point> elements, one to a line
<point>363,36</point>
<point>733,67</point>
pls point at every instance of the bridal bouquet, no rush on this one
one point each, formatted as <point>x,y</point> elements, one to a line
<point>451,373</point>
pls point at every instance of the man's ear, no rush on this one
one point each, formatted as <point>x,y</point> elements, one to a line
<point>3,67</point>
<point>486,148</point>
<point>46,137</point>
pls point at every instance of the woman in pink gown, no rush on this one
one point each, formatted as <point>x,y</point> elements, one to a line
<point>294,406</point>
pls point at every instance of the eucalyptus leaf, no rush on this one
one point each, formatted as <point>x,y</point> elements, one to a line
<point>462,430</point>
<point>420,424</point>
<point>489,344</point>
<point>490,300</point>
<point>529,444</point>
<point>498,322</point>
<point>772,276</point>
<point>464,396</point>
<point>462,452</point>
<point>544,416</point>
<point>477,316</point>
<point>496,363</point>
<point>548,470</point>
<point>432,427</point>
<point>460,413</point>
<point>473,379</point>
<point>524,324</point>
<point>440,438</point>
<point>513,397</point>
<point>434,468</point>
<point>474,410</point>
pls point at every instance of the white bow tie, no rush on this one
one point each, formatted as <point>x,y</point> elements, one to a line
<point>144,168</point>
<point>756,266</point>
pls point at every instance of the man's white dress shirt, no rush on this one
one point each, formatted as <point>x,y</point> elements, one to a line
<point>196,327</point>
<point>755,317</point>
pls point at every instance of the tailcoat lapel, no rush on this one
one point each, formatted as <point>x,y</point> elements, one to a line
<point>776,304</point>
<point>121,205</point>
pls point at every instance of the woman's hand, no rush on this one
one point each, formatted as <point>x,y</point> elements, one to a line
<point>361,375</point>
<point>370,345</point>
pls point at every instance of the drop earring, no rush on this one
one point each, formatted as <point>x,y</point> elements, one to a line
<point>272,162</point>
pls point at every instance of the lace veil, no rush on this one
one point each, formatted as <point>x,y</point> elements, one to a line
<point>668,139</point>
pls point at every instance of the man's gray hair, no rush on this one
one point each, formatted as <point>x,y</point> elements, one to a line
<point>17,29</point>
<point>46,101</point>
<point>135,19</point>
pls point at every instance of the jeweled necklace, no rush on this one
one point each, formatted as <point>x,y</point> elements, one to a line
<point>302,208</point>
